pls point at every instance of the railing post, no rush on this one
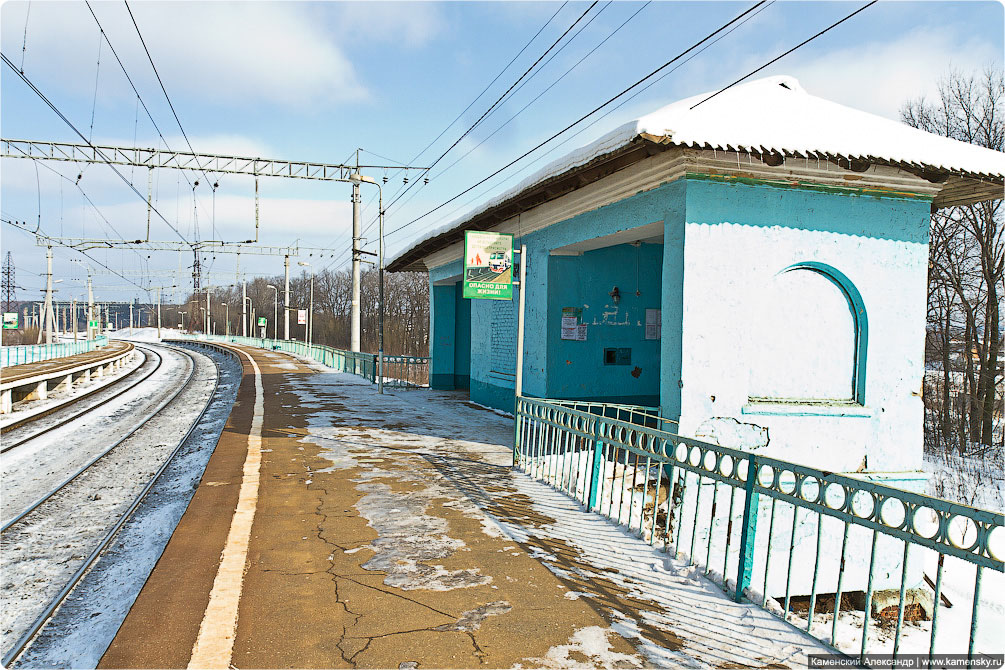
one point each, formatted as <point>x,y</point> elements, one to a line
<point>598,456</point>
<point>516,431</point>
<point>745,565</point>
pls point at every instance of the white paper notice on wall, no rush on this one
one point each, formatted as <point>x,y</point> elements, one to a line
<point>653,324</point>
<point>572,329</point>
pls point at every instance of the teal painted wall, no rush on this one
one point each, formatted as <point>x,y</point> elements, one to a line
<point>576,369</point>
<point>443,327</point>
<point>896,219</point>
<point>493,323</point>
<point>462,338</point>
<point>671,342</point>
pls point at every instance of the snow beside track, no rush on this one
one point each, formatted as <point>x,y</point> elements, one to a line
<point>39,554</point>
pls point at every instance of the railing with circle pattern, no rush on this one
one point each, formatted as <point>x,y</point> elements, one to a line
<point>700,501</point>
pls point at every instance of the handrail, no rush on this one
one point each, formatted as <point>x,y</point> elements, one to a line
<point>703,501</point>
<point>399,371</point>
<point>33,353</point>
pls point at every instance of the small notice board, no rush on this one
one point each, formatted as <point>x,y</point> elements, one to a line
<point>572,326</point>
<point>10,320</point>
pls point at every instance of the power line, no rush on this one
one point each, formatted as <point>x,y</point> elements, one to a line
<point>97,151</point>
<point>494,79</point>
<point>160,81</point>
<point>552,85</point>
<point>497,102</point>
<point>585,116</point>
<point>52,242</point>
<point>532,101</point>
<point>619,105</point>
<point>774,60</point>
<point>400,194</point>
<point>450,125</point>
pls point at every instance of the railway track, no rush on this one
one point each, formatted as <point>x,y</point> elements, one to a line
<point>18,432</point>
<point>39,514</point>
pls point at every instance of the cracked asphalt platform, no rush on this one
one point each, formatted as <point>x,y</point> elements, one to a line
<point>390,532</point>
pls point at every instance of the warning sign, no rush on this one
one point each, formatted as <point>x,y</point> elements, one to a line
<point>488,265</point>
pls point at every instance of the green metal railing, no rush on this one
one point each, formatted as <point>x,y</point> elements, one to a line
<point>399,371</point>
<point>839,555</point>
<point>32,353</point>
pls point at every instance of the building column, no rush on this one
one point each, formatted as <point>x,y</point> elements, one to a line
<point>442,317</point>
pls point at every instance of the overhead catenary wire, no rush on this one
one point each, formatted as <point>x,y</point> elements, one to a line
<point>80,251</point>
<point>125,72</point>
<point>97,151</point>
<point>613,109</point>
<point>804,42</point>
<point>552,85</point>
<point>585,116</point>
<point>161,81</point>
<point>494,80</point>
<point>495,104</point>
<point>531,102</point>
<point>778,58</point>
<point>401,193</point>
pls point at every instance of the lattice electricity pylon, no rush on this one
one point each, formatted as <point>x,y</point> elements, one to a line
<point>9,285</point>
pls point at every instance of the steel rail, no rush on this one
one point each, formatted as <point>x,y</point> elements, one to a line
<point>21,423</point>
<point>22,643</point>
<point>150,415</point>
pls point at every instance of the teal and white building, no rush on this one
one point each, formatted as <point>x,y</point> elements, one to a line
<point>755,267</point>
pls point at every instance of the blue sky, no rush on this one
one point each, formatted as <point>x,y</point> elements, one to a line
<point>317,80</point>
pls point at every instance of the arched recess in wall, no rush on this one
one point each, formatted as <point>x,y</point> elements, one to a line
<point>812,338</point>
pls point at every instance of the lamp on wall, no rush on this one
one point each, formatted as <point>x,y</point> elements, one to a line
<point>615,295</point>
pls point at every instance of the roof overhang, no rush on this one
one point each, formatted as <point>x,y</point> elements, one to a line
<point>943,187</point>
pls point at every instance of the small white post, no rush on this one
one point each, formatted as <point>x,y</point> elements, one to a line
<point>519,322</point>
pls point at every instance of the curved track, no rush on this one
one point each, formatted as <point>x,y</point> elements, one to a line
<point>64,413</point>
<point>21,644</point>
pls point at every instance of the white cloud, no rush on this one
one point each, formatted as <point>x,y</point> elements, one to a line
<point>879,77</point>
<point>281,220</point>
<point>238,53</point>
<point>413,24</point>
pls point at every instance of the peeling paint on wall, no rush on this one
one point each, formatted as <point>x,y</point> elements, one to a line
<point>728,432</point>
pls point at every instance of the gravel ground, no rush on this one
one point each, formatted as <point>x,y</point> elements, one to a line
<point>38,555</point>
<point>38,466</point>
<point>84,626</point>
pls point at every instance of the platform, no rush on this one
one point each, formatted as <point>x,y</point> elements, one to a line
<point>338,528</point>
<point>33,381</point>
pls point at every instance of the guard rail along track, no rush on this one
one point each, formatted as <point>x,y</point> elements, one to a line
<point>22,643</point>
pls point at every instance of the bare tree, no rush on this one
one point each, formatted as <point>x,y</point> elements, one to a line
<point>966,268</point>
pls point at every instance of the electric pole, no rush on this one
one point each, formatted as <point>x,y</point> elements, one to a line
<point>47,315</point>
<point>286,300</point>
<point>356,234</point>
<point>9,285</point>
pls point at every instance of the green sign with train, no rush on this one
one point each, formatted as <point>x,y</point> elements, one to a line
<point>488,265</point>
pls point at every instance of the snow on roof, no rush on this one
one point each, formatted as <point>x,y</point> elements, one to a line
<point>774,114</point>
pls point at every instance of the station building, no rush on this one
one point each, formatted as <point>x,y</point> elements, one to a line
<point>754,265</point>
